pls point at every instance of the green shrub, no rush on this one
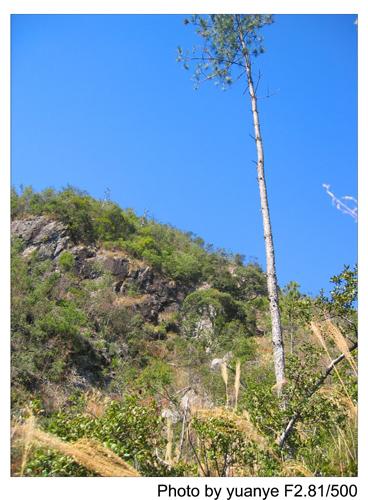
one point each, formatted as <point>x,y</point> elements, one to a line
<point>223,444</point>
<point>66,261</point>
<point>219,307</point>
<point>47,463</point>
<point>156,376</point>
<point>130,428</point>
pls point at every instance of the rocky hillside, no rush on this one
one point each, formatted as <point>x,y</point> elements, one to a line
<point>94,313</point>
<point>135,283</point>
<point>136,335</point>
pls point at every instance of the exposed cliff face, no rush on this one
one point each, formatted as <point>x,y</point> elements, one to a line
<point>157,294</point>
<point>48,237</point>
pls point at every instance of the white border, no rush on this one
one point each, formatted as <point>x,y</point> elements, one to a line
<point>93,488</point>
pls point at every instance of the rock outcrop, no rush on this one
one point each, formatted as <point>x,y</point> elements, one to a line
<point>50,238</point>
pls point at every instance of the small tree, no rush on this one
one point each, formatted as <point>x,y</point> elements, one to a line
<point>229,43</point>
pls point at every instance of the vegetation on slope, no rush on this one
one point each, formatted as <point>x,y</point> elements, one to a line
<point>160,392</point>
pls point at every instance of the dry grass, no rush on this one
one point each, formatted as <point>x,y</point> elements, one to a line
<point>341,400</point>
<point>88,453</point>
<point>292,468</point>
<point>320,331</point>
<point>128,301</point>
<point>96,403</point>
<point>264,350</point>
<point>28,430</point>
<point>237,383</point>
<point>340,342</point>
<point>225,378</point>
<point>170,439</point>
<point>166,316</point>
<point>345,452</point>
<point>242,422</point>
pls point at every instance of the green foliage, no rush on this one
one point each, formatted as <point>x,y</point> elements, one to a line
<point>244,283</point>
<point>181,256</point>
<point>47,338</point>
<point>223,445</point>
<point>183,267</point>
<point>46,463</point>
<point>219,308</point>
<point>87,219</point>
<point>342,302</point>
<point>295,306</point>
<point>130,428</point>
<point>112,223</point>
<point>142,246</point>
<point>71,334</point>
<point>322,414</point>
<point>235,338</point>
<point>66,261</point>
<point>155,377</point>
<point>203,301</point>
<point>221,57</point>
<point>296,313</point>
<point>345,292</point>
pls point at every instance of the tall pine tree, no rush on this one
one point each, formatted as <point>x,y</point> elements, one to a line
<point>230,41</point>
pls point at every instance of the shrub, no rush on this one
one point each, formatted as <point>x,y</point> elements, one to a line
<point>66,261</point>
<point>131,428</point>
<point>215,304</point>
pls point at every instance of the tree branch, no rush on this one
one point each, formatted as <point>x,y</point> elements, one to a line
<point>217,59</point>
<point>317,385</point>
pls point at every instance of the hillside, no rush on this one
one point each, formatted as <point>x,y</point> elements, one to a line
<point>134,336</point>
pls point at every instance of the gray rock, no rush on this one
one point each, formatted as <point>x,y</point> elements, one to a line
<point>52,231</point>
<point>82,252</point>
<point>46,236</point>
<point>162,295</point>
<point>28,228</point>
<point>50,239</point>
<point>61,245</point>
<point>116,266</point>
<point>217,362</point>
<point>29,251</point>
<point>86,263</point>
<point>46,251</point>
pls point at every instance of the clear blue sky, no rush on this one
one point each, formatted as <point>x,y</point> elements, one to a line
<point>100,102</point>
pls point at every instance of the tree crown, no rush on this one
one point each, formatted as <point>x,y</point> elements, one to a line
<point>227,39</point>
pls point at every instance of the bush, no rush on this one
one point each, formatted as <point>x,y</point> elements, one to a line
<point>224,445</point>
<point>87,219</point>
<point>66,261</point>
<point>212,302</point>
<point>131,428</point>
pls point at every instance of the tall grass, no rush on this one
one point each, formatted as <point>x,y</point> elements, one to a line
<point>170,439</point>
<point>329,330</point>
<point>225,378</point>
<point>237,383</point>
<point>342,453</point>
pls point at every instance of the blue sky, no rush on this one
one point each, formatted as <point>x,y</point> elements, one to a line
<point>99,102</point>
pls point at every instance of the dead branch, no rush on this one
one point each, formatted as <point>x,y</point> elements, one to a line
<point>317,385</point>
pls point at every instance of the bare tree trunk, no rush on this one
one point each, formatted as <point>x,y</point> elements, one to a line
<point>277,339</point>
